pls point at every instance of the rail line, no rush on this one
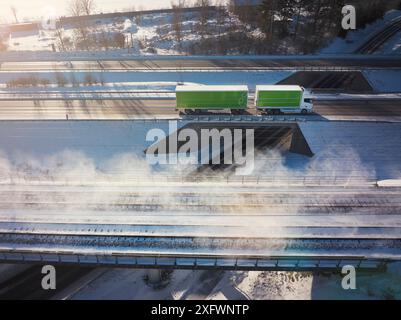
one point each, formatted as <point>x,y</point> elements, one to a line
<point>380,38</point>
<point>191,247</point>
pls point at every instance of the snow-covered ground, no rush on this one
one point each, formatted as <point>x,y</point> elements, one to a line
<point>148,35</point>
<point>237,285</point>
<point>358,37</point>
<point>384,80</point>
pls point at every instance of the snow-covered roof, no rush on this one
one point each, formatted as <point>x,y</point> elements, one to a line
<point>278,88</point>
<point>192,88</point>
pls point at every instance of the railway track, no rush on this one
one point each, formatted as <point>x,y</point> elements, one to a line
<point>206,231</point>
<point>380,38</point>
<point>106,221</point>
<point>173,246</point>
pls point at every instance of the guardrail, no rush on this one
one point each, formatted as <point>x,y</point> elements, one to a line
<point>29,56</point>
<point>273,263</point>
<point>207,69</point>
<point>80,95</point>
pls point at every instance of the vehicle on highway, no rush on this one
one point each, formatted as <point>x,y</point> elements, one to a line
<point>203,98</point>
<point>282,99</point>
<point>272,99</point>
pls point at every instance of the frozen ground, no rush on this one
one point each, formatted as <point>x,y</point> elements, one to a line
<point>153,34</point>
<point>234,285</point>
<point>365,149</point>
<point>149,34</point>
<point>384,80</point>
<point>358,37</point>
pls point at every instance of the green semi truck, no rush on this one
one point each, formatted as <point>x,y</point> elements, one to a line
<point>198,97</point>
<point>282,99</point>
<point>268,99</point>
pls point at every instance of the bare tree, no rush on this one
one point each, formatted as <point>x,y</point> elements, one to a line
<point>88,6</point>
<point>204,15</point>
<point>14,11</point>
<point>178,16</point>
<point>221,15</point>
<point>77,10</point>
<point>60,37</point>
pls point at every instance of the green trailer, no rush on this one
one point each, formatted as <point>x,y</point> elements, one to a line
<point>198,97</point>
<point>272,98</point>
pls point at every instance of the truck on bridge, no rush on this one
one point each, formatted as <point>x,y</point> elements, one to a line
<point>268,99</point>
<point>282,99</point>
<point>203,98</point>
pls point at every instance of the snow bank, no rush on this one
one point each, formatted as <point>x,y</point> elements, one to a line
<point>389,183</point>
<point>384,80</point>
<point>252,78</point>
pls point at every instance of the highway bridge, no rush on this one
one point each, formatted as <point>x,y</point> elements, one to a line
<point>241,227</point>
<point>197,220</point>
<point>123,217</point>
<point>203,219</point>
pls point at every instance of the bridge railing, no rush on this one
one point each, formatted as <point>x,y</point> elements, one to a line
<point>283,263</point>
<point>120,178</point>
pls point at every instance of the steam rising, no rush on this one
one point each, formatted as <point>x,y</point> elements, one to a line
<point>162,189</point>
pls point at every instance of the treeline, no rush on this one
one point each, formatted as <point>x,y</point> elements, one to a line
<point>303,26</point>
<point>369,11</point>
<point>86,36</point>
<point>278,26</point>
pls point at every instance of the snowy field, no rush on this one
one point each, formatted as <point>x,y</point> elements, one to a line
<point>153,34</point>
<point>149,34</point>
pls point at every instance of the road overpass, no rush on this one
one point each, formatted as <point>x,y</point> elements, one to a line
<point>297,231</point>
<point>281,219</point>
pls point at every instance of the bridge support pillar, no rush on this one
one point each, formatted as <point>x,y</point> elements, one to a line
<point>154,276</point>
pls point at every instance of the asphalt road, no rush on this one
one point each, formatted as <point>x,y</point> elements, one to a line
<point>210,64</point>
<point>140,109</point>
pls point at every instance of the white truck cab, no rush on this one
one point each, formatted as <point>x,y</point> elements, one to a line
<point>307,102</point>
